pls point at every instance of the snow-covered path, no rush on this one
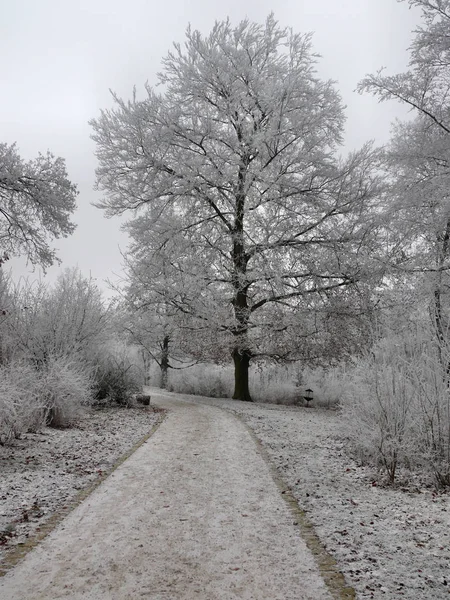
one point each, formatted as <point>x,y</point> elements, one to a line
<point>194,513</point>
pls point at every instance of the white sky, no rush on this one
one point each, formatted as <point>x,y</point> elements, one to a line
<point>60,58</point>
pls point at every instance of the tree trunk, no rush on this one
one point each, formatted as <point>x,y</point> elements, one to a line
<point>241,352</point>
<point>241,367</point>
<point>440,325</point>
<point>164,363</point>
<point>146,365</point>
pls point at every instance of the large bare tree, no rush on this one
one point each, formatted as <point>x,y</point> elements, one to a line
<point>236,157</point>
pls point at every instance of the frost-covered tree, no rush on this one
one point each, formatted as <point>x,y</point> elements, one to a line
<point>166,297</point>
<point>419,158</point>
<point>240,147</point>
<point>36,202</point>
<point>424,87</point>
<point>68,319</point>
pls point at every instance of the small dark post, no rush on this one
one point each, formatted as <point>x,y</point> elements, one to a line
<point>309,395</point>
<point>143,399</point>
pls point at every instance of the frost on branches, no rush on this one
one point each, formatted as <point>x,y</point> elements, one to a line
<point>419,160</point>
<point>234,160</point>
<point>36,201</point>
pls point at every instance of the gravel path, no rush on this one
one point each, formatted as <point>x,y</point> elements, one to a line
<point>194,513</point>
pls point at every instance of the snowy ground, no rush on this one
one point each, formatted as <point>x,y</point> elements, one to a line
<point>193,513</point>
<point>42,473</point>
<point>389,543</point>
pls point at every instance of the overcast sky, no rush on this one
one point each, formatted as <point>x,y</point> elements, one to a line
<point>61,57</point>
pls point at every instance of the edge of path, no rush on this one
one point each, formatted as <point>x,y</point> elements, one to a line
<point>16,554</point>
<point>326,563</point>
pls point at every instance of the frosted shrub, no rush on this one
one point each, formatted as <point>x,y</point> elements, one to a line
<point>329,385</point>
<point>381,412</point>
<point>398,408</point>
<point>30,398</point>
<point>68,318</point>
<point>276,392</point>
<point>208,380</point>
<point>268,382</point>
<point>65,388</point>
<point>117,376</point>
<point>21,407</point>
<point>273,383</point>
<point>432,383</point>
<point>286,384</point>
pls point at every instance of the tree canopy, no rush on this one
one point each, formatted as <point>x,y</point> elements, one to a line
<point>419,161</point>
<point>36,202</point>
<point>236,163</point>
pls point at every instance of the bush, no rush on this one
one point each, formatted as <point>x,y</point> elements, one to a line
<point>397,406</point>
<point>31,398</point>
<point>21,407</point>
<point>380,414</point>
<point>275,392</point>
<point>55,353</point>
<point>65,388</point>
<point>431,379</point>
<point>268,382</point>
<point>116,378</point>
<point>328,384</point>
<point>208,380</point>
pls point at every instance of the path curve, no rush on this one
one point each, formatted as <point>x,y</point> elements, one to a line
<point>193,514</point>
